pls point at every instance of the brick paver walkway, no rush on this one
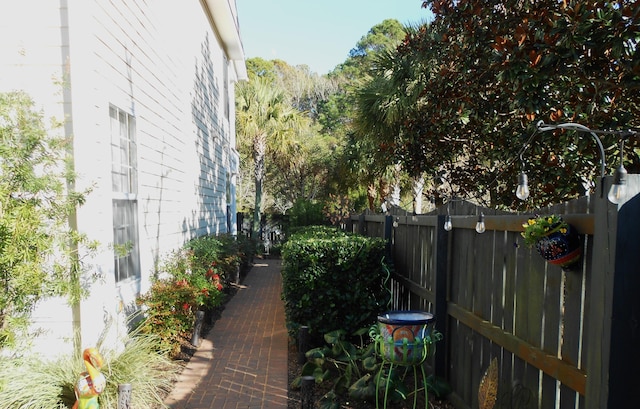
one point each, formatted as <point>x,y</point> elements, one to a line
<point>242,363</point>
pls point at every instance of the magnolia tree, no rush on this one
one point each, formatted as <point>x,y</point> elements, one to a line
<point>478,78</point>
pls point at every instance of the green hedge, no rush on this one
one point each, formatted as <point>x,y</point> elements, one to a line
<point>333,280</point>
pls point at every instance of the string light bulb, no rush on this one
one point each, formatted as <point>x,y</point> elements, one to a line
<point>522,191</point>
<point>447,223</point>
<point>480,227</point>
<point>618,189</point>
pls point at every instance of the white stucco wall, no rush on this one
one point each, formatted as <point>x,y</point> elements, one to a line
<point>162,63</point>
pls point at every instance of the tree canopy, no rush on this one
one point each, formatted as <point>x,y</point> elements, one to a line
<point>491,72</point>
<point>459,98</point>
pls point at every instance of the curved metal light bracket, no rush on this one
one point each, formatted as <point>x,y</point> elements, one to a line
<point>542,127</point>
<point>620,174</point>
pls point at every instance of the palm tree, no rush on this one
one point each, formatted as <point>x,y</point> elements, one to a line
<point>266,122</point>
<point>385,100</point>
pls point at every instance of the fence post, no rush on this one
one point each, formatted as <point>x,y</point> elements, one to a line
<point>303,344</point>
<point>442,270</point>
<point>388,230</point>
<point>124,396</point>
<point>195,338</point>
<point>623,377</point>
<point>600,274</point>
<point>308,383</point>
<point>361,227</point>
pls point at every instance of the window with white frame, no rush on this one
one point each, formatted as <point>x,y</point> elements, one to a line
<point>124,181</point>
<point>225,79</point>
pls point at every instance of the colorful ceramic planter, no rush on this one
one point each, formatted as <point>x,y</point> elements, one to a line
<point>561,247</point>
<point>405,336</point>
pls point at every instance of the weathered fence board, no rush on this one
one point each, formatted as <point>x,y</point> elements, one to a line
<point>550,329</point>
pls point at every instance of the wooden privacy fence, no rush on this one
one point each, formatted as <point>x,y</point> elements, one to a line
<point>563,339</point>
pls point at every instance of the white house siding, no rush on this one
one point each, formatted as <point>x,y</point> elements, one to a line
<point>162,63</point>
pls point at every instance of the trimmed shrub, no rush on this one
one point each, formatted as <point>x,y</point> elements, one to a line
<point>333,280</point>
<point>305,212</point>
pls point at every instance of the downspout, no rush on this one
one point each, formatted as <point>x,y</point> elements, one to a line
<point>74,273</point>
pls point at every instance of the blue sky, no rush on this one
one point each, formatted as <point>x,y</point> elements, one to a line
<point>318,33</point>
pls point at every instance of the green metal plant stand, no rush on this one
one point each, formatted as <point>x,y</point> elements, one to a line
<point>403,339</point>
<point>406,349</point>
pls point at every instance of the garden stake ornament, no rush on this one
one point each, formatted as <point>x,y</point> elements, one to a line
<point>91,383</point>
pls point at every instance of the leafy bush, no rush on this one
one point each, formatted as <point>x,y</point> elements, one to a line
<point>354,367</point>
<point>198,285</point>
<point>190,281</point>
<point>34,211</point>
<point>204,250</point>
<point>333,280</point>
<point>246,250</point>
<point>168,313</point>
<point>237,252</point>
<point>228,252</point>
<point>305,212</point>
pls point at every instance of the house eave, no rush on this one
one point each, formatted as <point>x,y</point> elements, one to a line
<point>225,23</point>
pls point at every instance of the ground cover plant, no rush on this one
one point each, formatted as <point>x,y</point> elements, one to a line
<point>345,374</point>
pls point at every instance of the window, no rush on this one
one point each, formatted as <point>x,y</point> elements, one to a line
<point>125,239</point>
<point>123,152</point>
<point>225,79</point>
<point>124,183</point>
<point>229,202</point>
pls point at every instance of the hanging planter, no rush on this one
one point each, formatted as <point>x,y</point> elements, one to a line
<point>555,240</point>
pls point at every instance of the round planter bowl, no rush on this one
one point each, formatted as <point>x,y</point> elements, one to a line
<point>561,249</point>
<point>405,336</point>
